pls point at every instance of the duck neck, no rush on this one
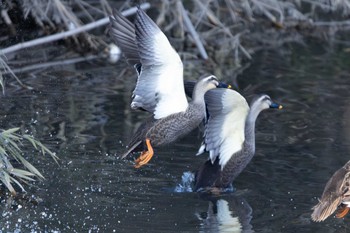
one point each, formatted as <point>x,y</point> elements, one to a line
<point>196,108</point>
<point>250,130</point>
<point>198,97</point>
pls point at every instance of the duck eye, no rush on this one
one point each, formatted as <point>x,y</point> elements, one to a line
<point>266,98</point>
<point>212,78</point>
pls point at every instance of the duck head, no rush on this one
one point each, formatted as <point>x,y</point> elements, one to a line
<point>263,102</point>
<point>207,83</point>
<point>204,84</point>
<point>189,87</point>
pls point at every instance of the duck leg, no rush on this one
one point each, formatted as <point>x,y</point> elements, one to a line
<point>342,212</point>
<point>145,156</point>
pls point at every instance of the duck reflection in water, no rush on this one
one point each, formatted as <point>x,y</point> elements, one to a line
<point>336,195</point>
<point>229,137</point>
<point>232,214</point>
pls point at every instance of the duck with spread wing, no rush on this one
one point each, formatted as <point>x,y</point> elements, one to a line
<point>160,85</point>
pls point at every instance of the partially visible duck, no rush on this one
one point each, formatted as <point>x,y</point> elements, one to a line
<point>336,194</point>
<point>189,86</point>
<point>159,89</point>
<point>229,137</point>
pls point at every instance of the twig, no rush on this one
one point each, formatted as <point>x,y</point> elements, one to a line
<point>103,4</point>
<point>263,7</point>
<point>192,31</point>
<point>7,69</point>
<point>62,35</point>
<point>83,9</point>
<point>6,17</point>
<point>51,64</point>
<point>332,23</point>
<point>8,21</point>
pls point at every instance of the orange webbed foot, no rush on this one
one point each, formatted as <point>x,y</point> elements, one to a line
<point>145,156</point>
<point>342,212</point>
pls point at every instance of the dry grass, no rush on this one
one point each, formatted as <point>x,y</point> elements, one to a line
<point>227,27</point>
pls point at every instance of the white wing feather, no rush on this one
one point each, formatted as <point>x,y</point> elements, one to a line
<point>159,88</point>
<point>224,132</point>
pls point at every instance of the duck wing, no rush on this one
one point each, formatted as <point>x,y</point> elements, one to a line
<point>224,130</point>
<point>122,31</point>
<point>159,87</point>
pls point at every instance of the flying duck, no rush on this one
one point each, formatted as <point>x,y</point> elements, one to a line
<point>160,85</point>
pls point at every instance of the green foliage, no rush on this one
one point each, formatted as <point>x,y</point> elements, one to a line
<point>10,148</point>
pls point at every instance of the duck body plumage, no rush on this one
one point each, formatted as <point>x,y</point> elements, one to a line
<point>336,194</point>
<point>175,126</point>
<point>168,129</point>
<point>229,137</point>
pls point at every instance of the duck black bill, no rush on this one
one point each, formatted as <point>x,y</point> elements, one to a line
<point>224,85</point>
<point>274,105</point>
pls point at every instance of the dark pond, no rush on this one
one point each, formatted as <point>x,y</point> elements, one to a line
<point>81,111</point>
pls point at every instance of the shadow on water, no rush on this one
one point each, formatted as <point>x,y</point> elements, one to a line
<point>82,112</point>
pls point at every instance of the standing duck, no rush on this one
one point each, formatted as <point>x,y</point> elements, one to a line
<point>229,137</point>
<point>336,194</point>
<point>160,86</point>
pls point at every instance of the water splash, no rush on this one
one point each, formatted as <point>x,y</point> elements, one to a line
<point>185,186</point>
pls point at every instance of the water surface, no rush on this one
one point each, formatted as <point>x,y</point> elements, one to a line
<point>82,112</point>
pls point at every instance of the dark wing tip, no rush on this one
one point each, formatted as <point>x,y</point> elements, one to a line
<point>144,24</point>
<point>122,32</point>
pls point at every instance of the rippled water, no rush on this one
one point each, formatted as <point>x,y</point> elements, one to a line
<point>82,112</point>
